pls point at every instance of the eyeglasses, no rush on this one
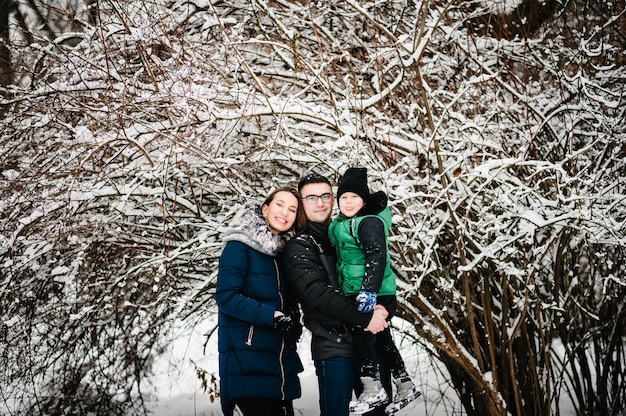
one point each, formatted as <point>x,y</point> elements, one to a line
<point>312,199</point>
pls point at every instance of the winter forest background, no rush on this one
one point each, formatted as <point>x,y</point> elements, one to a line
<point>133,130</point>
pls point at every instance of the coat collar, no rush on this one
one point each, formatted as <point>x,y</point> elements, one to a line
<point>250,227</point>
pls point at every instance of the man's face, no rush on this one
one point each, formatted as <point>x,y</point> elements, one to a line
<point>320,210</point>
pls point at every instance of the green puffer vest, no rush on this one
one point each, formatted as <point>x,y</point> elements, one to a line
<point>344,234</point>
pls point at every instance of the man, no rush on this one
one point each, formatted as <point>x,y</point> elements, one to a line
<point>309,262</point>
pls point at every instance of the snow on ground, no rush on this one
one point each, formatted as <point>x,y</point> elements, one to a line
<point>178,391</point>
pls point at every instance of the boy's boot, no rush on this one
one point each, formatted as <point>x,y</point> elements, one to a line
<point>373,396</point>
<point>406,392</point>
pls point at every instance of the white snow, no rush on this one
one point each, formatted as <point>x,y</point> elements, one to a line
<point>177,390</point>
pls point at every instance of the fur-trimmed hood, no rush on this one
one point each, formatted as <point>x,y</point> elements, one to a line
<point>250,227</point>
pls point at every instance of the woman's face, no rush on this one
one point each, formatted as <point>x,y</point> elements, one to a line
<point>281,212</point>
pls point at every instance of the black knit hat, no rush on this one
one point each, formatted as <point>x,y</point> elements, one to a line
<point>354,180</point>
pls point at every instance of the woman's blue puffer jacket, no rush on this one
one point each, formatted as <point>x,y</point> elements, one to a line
<point>254,360</point>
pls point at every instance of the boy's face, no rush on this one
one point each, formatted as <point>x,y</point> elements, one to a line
<point>350,203</point>
<point>320,210</point>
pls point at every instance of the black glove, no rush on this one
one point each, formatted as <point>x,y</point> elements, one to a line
<point>289,328</point>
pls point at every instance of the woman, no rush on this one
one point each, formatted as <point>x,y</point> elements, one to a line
<point>258,325</point>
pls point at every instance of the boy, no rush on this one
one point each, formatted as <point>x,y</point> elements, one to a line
<point>360,237</point>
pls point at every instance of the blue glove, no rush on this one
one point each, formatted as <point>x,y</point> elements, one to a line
<point>366,301</point>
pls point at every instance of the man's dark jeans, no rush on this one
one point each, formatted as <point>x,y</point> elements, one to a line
<point>337,377</point>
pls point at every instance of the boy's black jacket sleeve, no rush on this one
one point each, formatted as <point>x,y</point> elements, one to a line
<point>374,243</point>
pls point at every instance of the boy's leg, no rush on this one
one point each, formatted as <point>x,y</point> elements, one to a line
<point>406,391</point>
<point>364,346</point>
<point>385,379</point>
<point>390,354</point>
<point>373,394</point>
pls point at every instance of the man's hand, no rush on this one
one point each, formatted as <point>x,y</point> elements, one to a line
<point>379,320</point>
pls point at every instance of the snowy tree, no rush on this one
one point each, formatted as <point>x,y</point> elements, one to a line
<point>133,130</point>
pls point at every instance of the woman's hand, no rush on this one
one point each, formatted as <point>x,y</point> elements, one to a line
<point>289,327</point>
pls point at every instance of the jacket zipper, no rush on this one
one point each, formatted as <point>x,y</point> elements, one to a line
<point>250,333</point>
<point>282,340</point>
<point>280,296</point>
